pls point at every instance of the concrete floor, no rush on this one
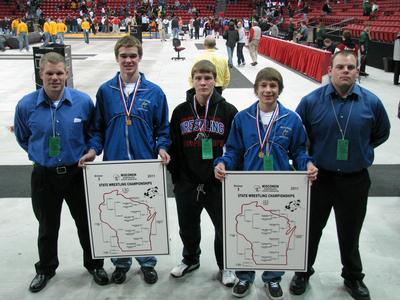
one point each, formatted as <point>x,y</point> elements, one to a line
<point>380,238</point>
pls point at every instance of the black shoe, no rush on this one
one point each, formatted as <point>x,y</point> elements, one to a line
<point>364,74</point>
<point>39,282</point>
<point>274,290</point>
<point>241,289</point>
<point>149,274</point>
<point>118,276</point>
<point>357,289</point>
<point>100,276</point>
<point>298,284</point>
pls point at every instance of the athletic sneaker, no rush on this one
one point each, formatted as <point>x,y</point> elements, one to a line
<point>241,288</point>
<point>181,269</point>
<point>227,277</point>
<point>274,290</point>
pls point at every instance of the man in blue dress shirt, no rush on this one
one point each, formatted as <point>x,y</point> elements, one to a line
<point>344,122</point>
<point>51,125</point>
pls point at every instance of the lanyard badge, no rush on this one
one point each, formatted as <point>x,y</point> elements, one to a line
<point>206,142</point>
<point>342,145</point>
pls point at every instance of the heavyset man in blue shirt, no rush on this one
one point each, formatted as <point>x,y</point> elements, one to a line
<point>344,122</point>
<point>131,122</point>
<point>51,125</point>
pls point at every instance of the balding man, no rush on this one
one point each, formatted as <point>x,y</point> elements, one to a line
<point>219,61</point>
<point>254,40</point>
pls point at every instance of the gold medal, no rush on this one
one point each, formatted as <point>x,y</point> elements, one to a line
<point>260,154</point>
<point>128,121</point>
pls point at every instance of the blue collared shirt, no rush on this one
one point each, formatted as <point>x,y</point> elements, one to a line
<point>33,126</point>
<point>368,126</point>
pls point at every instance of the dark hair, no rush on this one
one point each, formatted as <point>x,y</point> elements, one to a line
<point>128,41</point>
<point>204,66</point>
<point>268,74</point>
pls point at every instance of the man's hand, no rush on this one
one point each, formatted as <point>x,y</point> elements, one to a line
<point>312,171</point>
<point>90,156</point>
<point>164,156</point>
<point>219,171</point>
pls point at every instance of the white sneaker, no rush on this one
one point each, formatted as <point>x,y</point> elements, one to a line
<point>227,277</point>
<point>181,269</point>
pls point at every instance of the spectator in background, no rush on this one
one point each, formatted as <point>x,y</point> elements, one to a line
<point>375,8</point>
<point>320,34</point>
<point>53,31</point>
<point>240,44</point>
<point>363,42</point>
<point>231,36</point>
<point>46,32</point>
<point>290,30</point>
<point>327,8</point>
<point>302,34</point>
<point>366,8</point>
<point>347,44</point>
<point>22,32</point>
<point>61,29</point>
<point>85,25</point>
<point>329,46</point>
<point>14,25</point>
<point>254,40</point>
<point>396,60</point>
<point>223,75</point>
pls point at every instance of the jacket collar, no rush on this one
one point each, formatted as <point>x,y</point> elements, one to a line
<point>283,111</point>
<point>114,81</point>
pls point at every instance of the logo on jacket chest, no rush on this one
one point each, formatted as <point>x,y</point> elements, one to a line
<point>144,104</point>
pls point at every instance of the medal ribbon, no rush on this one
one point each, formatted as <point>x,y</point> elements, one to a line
<point>204,127</point>
<point>125,100</point>
<point>269,128</point>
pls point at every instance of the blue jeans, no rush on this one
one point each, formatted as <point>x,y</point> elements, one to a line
<point>126,262</point>
<point>46,36</point>
<point>86,36</point>
<point>175,33</point>
<point>230,54</point>
<point>21,38</point>
<point>267,276</point>
<point>60,36</point>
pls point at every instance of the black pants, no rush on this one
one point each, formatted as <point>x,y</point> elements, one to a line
<point>196,33</point>
<point>239,53</point>
<point>347,194</point>
<point>396,64</point>
<point>190,200</point>
<point>48,192</point>
<point>363,62</point>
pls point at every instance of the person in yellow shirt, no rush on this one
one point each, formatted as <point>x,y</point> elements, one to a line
<point>14,25</point>
<point>22,33</point>
<point>220,62</point>
<point>61,29</point>
<point>46,32</point>
<point>85,25</point>
<point>53,31</point>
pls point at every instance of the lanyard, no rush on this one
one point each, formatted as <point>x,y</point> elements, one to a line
<point>125,100</point>
<point>204,127</point>
<point>343,133</point>
<point>269,128</point>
